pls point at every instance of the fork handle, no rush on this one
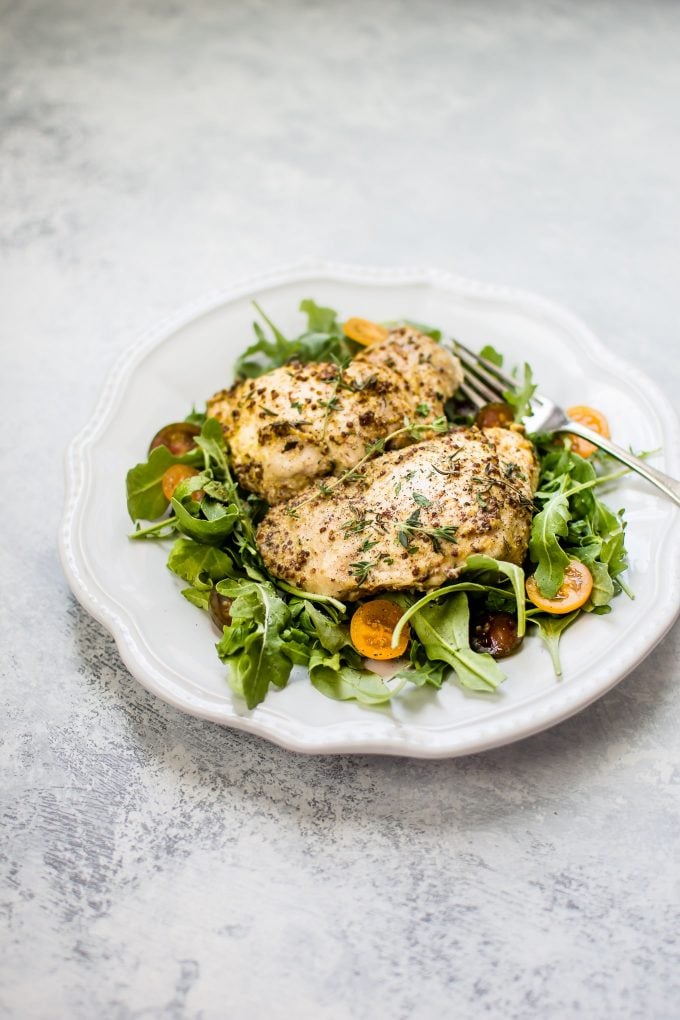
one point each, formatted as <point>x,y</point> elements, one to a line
<point>664,482</point>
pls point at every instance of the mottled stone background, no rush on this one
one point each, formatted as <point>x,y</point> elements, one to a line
<point>159,867</point>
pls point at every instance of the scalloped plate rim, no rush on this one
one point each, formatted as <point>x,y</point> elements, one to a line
<point>330,738</point>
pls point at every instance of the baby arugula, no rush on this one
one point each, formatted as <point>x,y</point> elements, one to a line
<point>323,340</point>
<point>443,630</point>
<point>145,499</point>
<point>550,630</point>
<point>267,637</point>
<point>519,397</point>
<point>575,523</point>
<point>441,621</point>
<point>254,645</point>
<point>274,627</point>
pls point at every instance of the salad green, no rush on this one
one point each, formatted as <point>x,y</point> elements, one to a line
<point>273,627</point>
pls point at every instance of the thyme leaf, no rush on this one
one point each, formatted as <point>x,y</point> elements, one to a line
<point>361,570</point>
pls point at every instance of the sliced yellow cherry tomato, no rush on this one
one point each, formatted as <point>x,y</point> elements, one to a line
<point>592,419</point>
<point>175,474</point>
<point>573,593</point>
<point>364,331</point>
<point>371,630</point>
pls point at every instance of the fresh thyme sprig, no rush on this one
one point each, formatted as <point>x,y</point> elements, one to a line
<point>452,457</point>
<point>413,526</point>
<point>360,523</point>
<point>361,570</point>
<point>503,483</point>
<point>333,402</point>
<point>411,429</point>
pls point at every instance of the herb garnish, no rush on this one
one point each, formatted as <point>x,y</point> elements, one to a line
<point>356,526</point>
<point>361,570</point>
<point>411,429</point>
<point>421,500</point>
<point>413,526</point>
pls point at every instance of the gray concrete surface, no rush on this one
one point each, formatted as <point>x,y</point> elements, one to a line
<point>158,867</point>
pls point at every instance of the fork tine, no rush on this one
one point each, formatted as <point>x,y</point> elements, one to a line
<point>471,395</point>
<point>480,378</point>
<point>490,372</point>
<point>479,387</point>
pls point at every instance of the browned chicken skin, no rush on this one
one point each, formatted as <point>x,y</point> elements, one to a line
<point>301,422</point>
<point>413,519</point>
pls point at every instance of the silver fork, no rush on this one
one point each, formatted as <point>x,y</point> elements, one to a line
<point>486,383</point>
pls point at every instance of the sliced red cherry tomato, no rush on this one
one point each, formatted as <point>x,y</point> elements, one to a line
<point>219,607</point>
<point>495,633</point>
<point>496,415</point>
<point>179,438</point>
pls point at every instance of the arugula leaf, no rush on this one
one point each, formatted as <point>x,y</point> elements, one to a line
<point>253,645</point>
<point>212,509</point>
<point>145,499</point>
<point>331,635</point>
<point>309,596</point>
<point>422,671</point>
<point>603,586</point>
<point>336,680</point>
<point>164,528</point>
<point>298,645</point>
<point>322,341</point>
<point>319,319</point>
<point>439,593</point>
<point>544,549</point>
<point>550,630</point>
<point>194,561</point>
<point>444,632</point>
<point>513,572</point>
<point>611,529</point>
<point>520,397</point>
<point>248,366</point>
<point>197,596</point>
<point>492,355</point>
<point>196,417</point>
<point>497,600</point>
<point>211,441</point>
<point>276,352</point>
<point>581,502</point>
<point>209,532</point>
<point>595,535</point>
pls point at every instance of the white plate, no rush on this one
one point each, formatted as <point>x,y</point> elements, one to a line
<point>169,645</point>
